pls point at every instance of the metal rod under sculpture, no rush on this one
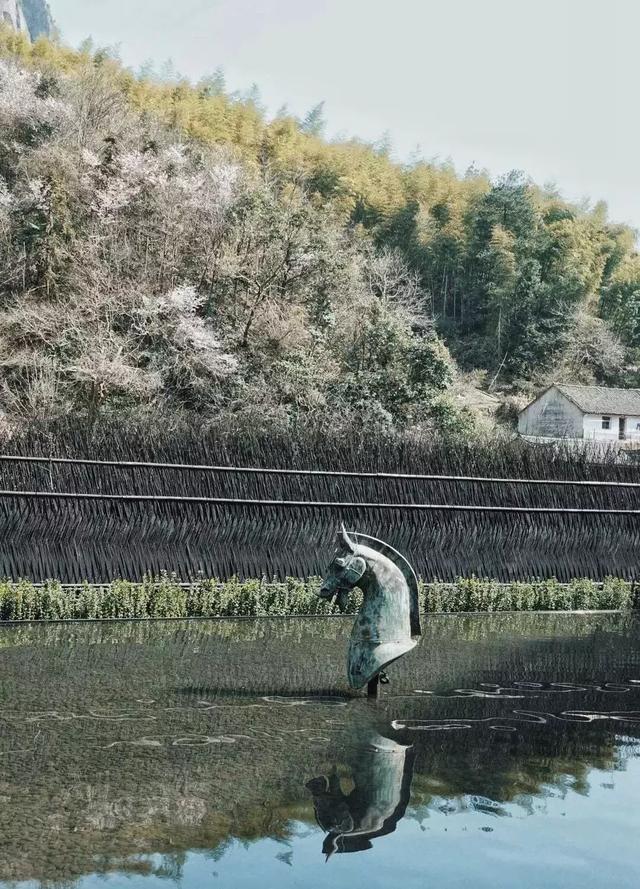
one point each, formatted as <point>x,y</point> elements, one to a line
<point>388,623</point>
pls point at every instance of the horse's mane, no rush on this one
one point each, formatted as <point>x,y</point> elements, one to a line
<point>400,562</point>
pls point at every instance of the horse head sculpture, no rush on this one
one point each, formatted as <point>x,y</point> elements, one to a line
<point>388,623</point>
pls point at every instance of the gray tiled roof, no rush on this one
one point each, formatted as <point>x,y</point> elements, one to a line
<point>599,400</point>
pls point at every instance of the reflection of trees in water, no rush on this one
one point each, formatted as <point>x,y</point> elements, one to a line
<point>511,768</point>
<point>512,705</point>
<point>122,741</point>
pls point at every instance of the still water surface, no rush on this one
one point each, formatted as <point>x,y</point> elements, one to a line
<point>504,753</point>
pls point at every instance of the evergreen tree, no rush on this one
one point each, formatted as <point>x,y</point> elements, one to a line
<point>314,123</point>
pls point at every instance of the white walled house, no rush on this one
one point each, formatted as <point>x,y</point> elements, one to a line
<point>11,14</point>
<point>593,413</point>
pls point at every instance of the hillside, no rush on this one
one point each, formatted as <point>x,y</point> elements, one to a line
<point>171,252</point>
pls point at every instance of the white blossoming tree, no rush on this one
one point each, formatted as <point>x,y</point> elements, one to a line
<point>142,272</point>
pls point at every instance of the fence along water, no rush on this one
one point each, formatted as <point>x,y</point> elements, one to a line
<point>252,522</point>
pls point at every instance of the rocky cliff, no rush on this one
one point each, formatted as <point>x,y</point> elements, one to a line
<point>38,17</point>
<point>32,17</point>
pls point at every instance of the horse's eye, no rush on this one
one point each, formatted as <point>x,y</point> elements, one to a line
<point>341,562</point>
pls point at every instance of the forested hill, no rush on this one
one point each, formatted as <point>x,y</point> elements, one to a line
<point>169,251</point>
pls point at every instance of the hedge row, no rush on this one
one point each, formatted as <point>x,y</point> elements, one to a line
<point>165,597</point>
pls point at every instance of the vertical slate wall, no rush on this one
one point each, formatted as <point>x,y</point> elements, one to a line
<point>98,541</point>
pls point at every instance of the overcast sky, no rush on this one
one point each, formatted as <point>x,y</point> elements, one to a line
<point>547,86</point>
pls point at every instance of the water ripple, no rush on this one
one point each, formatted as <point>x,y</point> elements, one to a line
<point>519,717</point>
<point>521,689</point>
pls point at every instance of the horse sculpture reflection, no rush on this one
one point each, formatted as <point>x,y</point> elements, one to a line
<point>381,771</point>
<point>388,623</point>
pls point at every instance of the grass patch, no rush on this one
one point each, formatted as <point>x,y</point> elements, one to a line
<point>166,597</point>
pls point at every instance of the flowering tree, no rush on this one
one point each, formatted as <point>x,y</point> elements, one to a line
<point>144,272</point>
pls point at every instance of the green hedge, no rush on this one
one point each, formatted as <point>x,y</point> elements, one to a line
<point>165,597</point>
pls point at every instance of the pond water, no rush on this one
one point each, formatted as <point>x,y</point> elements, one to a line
<point>504,753</point>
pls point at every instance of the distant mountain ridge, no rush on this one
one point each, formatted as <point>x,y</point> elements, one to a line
<point>32,17</point>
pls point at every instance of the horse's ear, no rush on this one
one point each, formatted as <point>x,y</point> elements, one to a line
<point>345,540</point>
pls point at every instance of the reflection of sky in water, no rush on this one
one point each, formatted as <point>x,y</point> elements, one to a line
<point>578,841</point>
<point>195,754</point>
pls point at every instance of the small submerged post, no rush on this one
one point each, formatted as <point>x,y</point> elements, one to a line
<point>373,688</point>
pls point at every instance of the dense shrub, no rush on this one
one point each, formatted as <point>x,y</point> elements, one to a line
<point>165,597</point>
<point>545,595</point>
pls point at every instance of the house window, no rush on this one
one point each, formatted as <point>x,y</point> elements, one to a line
<point>606,422</point>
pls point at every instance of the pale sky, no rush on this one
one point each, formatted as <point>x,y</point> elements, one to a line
<point>547,86</point>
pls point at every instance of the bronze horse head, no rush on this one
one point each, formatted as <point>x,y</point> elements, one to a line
<point>388,623</point>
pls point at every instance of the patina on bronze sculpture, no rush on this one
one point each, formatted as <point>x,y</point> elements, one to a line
<point>388,623</point>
